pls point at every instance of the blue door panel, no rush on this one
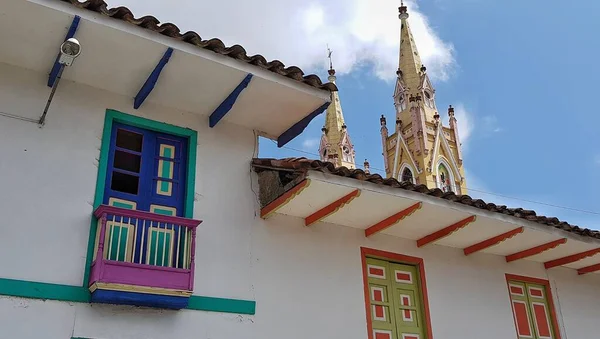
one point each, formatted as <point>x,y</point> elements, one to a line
<point>148,174</point>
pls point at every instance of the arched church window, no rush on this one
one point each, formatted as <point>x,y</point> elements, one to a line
<point>407,175</point>
<point>346,153</point>
<point>429,100</point>
<point>444,179</point>
<point>402,102</point>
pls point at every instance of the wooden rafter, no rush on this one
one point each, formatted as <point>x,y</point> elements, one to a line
<point>331,208</point>
<point>295,130</point>
<point>392,220</point>
<point>589,269</point>
<point>535,250</point>
<point>276,204</point>
<point>444,232</point>
<point>571,258</point>
<point>492,241</point>
<point>148,86</point>
<point>228,103</point>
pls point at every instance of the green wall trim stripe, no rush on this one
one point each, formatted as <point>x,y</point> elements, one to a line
<point>47,291</point>
<point>37,290</point>
<point>222,305</point>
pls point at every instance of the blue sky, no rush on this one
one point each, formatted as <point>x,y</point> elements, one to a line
<point>521,73</point>
<point>525,72</point>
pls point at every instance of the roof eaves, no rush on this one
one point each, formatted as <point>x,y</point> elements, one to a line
<point>215,45</point>
<point>305,165</point>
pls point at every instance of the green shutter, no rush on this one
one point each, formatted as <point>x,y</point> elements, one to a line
<point>400,314</point>
<point>382,307</point>
<point>407,300</point>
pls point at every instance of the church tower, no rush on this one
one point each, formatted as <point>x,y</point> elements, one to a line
<point>335,145</point>
<point>420,149</point>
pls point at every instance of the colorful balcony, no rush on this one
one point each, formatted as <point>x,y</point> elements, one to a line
<point>142,258</point>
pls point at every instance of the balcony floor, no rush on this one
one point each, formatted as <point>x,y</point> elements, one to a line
<point>139,299</point>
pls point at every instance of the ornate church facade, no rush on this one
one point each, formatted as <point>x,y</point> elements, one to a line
<point>335,145</point>
<point>419,148</point>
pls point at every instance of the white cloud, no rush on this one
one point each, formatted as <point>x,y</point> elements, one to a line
<point>465,122</point>
<point>310,144</point>
<point>489,124</point>
<point>297,32</point>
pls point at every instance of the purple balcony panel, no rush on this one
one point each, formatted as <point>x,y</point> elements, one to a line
<point>139,248</point>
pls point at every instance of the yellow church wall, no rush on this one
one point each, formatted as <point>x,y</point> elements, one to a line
<point>391,144</point>
<point>412,89</point>
<point>427,177</point>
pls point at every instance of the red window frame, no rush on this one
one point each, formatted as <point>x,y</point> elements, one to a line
<point>549,297</point>
<point>400,258</point>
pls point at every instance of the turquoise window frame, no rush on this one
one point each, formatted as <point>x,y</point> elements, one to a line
<point>40,290</point>
<point>113,116</point>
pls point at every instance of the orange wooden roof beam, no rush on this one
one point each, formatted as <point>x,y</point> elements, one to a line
<point>286,197</point>
<point>392,220</point>
<point>571,258</point>
<point>331,208</point>
<point>536,250</point>
<point>444,232</point>
<point>492,241</point>
<point>588,269</point>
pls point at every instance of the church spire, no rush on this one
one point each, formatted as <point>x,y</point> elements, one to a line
<point>409,63</point>
<point>421,149</point>
<point>335,145</point>
<point>412,81</point>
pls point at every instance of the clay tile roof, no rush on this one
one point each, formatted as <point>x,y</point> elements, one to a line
<point>304,165</point>
<point>236,51</point>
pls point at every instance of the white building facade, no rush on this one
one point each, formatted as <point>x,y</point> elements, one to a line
<point>257,271</point>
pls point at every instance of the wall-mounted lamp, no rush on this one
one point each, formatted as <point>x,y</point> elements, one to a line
<point>69,50</point>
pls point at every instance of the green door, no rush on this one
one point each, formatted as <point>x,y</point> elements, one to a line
<point>395,300</point>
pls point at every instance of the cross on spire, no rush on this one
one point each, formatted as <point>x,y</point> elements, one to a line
<point>329,53</point>
<point>403,10</point>
<point>335,145</point>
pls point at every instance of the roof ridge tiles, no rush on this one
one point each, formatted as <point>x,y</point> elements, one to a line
<point>305,164</point>
<point>171,30</point>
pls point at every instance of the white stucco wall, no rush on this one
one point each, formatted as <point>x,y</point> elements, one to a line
<point>307,282</point>
<point>49,178</point>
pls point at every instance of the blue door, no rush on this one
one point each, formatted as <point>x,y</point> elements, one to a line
<point>146,171</point>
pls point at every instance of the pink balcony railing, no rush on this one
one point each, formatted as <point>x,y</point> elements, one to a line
<point>144,249</point>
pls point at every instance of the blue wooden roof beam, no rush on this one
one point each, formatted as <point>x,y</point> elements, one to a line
<point>152,79</point>
<point>228,103</point>
<point>299,127</point>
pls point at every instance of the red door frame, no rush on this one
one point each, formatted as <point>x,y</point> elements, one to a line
<point>402,259</point>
